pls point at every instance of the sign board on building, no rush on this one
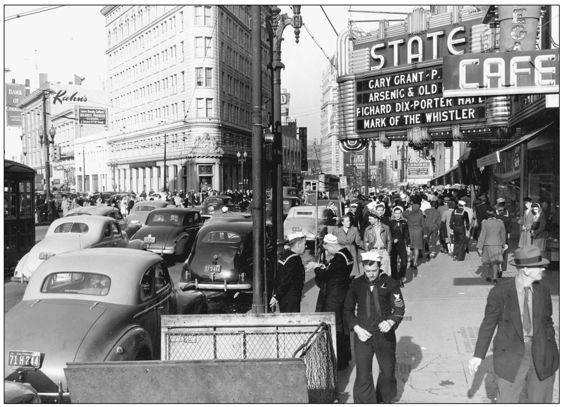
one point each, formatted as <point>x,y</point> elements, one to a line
<point>64,96</point>
<point>343,182</point>
<point>411,98</point>
<point>89,115</point>
<point>502,73</point>
<point>418,169</point>
<point>413,48</point>
<point>13,96</point>
<point>285,98</point>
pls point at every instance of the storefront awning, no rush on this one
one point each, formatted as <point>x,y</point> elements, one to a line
<point>493,158</point>
<point>449,177</point>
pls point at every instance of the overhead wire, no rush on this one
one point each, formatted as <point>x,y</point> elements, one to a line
<point>31,12</point>
<point>328,18</point>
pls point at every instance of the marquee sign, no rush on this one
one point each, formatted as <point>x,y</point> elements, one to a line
<point>502,73</point>
<point>411,98</point>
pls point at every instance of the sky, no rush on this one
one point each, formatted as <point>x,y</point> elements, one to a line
<point>73,41</point>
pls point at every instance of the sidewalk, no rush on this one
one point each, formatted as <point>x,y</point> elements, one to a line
<point>445,303</point>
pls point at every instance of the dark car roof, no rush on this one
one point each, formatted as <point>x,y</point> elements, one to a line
<point>174,210</point>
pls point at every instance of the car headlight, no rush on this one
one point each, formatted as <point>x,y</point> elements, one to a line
<point>134,221</point>
<point>45,255</point>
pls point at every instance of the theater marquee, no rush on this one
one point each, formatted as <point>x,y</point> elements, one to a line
<point>411,98</point>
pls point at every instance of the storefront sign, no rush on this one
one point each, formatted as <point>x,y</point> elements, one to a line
<point>411,98</point>
<point>92,116</point>
<point>502,73</point>
<point>408,49</point>
<point>418,169</point>
<point>143,164</point>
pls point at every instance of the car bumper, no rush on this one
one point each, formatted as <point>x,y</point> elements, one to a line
<point>219,286</point>
<point>161,251</point>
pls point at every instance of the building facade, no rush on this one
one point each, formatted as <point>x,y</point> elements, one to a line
<point>180,91</point>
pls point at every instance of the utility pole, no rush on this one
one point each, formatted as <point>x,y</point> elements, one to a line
<point>165,163</point>
<point>260,294</point>
<point>44,96</point>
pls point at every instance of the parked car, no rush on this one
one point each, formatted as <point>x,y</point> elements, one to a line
<point>170,231</point>
<point>67,234</point>
<point>160,196</point>
<point>303,218</point>
<point>289,202</point>
<point>102,304</point>
<point>214,204</point>
<point>138,214</point>
<point>101,210</point>
<point>222,256</point>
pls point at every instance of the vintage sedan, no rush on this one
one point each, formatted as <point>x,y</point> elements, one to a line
<point>102,304</point>
<point>138,214</point>
<point>222,256</point>
<point>214,204</point>
<point>303,218</point>
<point>71,233</point>
<point>100,210</point>
<point>170,231</point>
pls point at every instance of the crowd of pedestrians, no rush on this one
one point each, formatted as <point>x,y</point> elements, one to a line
<point>365,259</point>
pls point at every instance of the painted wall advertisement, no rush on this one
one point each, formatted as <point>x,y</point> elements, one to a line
<point>411,98</point>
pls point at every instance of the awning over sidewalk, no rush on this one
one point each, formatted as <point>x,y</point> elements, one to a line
<point>452,176</point>
<point>494,158</point>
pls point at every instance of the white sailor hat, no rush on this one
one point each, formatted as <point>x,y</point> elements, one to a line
<point>292,237</point>
<point>461,202</point>
<point>330,239</point>
<point>371,256</point>
<point>500,200</point>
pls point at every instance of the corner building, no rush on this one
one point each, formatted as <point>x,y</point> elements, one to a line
<point>179,80</point>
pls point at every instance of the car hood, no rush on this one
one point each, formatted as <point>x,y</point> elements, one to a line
<point>56,328</point>
<point>51,244</point>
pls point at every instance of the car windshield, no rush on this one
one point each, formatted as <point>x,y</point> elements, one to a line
<point>76,283</point>
<point>218,236</point>
<point>164,219</point>
<point>71,227</point>
<point>79,213</point>
<point>144,208</point>
<point>216,201</point>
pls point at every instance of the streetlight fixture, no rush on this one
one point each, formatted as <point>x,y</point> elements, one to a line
<point>242,159</point>
<point>277,23</point>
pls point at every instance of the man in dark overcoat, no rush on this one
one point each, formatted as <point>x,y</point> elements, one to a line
<point>525,354</point>
<point>333,280</point>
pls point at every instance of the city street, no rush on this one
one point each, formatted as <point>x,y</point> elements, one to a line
<point>445,303</point>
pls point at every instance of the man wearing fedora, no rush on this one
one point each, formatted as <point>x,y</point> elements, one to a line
<point>373,309</point>
<point>525,354</point>
<point>290,275</point>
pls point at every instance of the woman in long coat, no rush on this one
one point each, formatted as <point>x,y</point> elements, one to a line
<point>526,222</point>
<point>538,228</point>
<point>416,222</point>
<point>349,236</point>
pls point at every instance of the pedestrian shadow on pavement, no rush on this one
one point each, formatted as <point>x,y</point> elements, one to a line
<point>409,355</point>
<point>486,375</point>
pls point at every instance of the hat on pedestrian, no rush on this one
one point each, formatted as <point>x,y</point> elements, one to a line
<point>371,256</point>
<point>373,212</point>
<point>295,236</point>
<point>330,239</point>
<point>398,208</point>
<point>490,211</point>
<point>380,205</point>
<point>529,256</point>
<point>461,202</point>
<point>500,200</point>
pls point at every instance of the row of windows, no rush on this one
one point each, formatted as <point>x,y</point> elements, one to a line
<point>236,60</point>
<point>203,15</point>
<point>158,33</point>
<point>235,114</point>
<point>162,87</point>
<point>166,58</point>
<point>235,31</point>
<point>233,86</point>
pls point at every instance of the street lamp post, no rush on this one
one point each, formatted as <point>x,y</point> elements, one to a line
<point>278,22</point>
<point>242,159</point>
<point>45,139</point>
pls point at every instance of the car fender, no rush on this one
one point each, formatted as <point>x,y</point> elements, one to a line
<point>179,248</point>
<point>191,301</point>
<point>132,343</point>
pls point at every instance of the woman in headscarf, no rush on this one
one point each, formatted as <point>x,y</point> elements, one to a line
<point>349,236</point>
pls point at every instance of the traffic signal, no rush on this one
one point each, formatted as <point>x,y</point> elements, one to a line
<point>55,153</point>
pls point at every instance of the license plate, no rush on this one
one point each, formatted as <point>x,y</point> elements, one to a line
<point>24,359</point>
<point>296,228</point>
<point>149,239</point>
<point>212,268</point>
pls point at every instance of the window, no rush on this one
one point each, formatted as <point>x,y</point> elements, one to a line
<point>199,76</point>
<point>76,283</point>
<point>200,107</point>
<point>208,77</point>
<point>208,15</point>
<point>198,15</point>
<point>199,46</point>
<point>208,107</point>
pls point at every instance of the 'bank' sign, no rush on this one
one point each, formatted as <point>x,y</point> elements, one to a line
<point>502,73</point>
